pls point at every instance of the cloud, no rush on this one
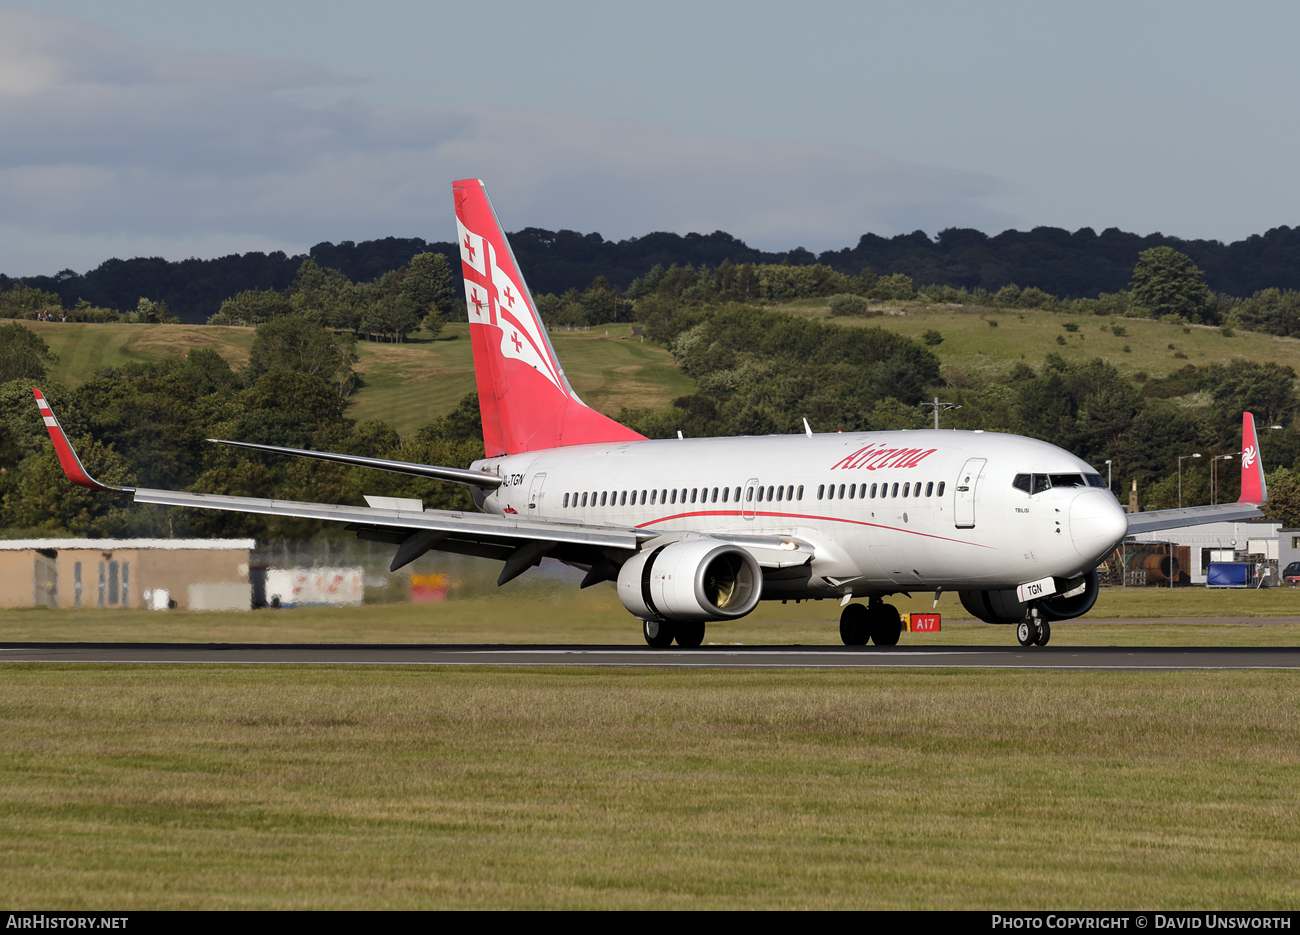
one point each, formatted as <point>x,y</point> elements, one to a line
<point>108,144</point>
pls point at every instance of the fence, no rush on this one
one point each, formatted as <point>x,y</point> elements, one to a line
<point>352,571</point>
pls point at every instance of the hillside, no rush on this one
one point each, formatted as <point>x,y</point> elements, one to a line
<point>974,348</point>
<point>409,384</point>
<point>406,385</point>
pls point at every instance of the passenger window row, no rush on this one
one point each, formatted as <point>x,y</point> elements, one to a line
<point>863,492</point>
<point>668,496</point>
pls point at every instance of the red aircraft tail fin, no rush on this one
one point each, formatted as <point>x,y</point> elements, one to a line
<point>1254,489</point>
<point>524,397</point>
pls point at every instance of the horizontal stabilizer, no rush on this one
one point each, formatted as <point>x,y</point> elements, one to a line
<point>454,475</point>
<point>1191,516</point>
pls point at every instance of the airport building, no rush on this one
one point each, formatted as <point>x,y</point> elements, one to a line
<point>1185,552</point>
<point>187,574</point>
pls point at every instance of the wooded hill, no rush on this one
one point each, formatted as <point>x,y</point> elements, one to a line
<point>1070,265</point>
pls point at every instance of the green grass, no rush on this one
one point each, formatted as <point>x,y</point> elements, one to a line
<point>85,348</point>
<point>525,612</point>
<point>973,350</point>
<point>134,788</point>
<point>406,385</point>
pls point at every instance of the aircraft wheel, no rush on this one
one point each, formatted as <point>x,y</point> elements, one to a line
<point>689,635</point>
<point>855,625</point>
<point>1026,633</point>
<point>657,633</point>
<point>888,626</point>
<point>1044,633</point>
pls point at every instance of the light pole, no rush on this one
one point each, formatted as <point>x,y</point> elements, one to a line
<point>940,407</point>
<point>1108,484</point>
<point>1181,459</point>
<point>1214,475</point>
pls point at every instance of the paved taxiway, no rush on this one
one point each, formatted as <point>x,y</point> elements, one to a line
<point>741,657</point>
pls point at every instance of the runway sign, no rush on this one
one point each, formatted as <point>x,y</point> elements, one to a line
<point>922,623</point>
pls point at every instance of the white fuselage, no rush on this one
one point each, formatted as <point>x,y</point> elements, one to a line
<point>961,525</point>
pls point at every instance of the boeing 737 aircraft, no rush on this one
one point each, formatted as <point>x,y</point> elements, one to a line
<point>700,530</point>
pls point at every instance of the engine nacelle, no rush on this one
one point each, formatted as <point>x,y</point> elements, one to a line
<point>994,606</point>
<point>691,580</point>
<point>1074,597</point>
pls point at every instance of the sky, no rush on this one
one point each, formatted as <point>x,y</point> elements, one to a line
<point>199,129</point>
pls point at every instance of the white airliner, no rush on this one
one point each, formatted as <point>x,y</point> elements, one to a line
<point>700,530</point>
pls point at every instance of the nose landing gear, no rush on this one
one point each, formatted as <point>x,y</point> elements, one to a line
<point>1033,631</point>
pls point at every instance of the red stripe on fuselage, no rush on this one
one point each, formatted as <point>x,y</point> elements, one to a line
<point>829,519</point>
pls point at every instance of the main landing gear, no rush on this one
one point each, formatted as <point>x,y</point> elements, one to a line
<point>876,621</point>
<point>660,634</point>
<point>1033,631</point>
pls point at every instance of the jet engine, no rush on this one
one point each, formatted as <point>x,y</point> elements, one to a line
<point>994,606</point>
<point>691,580</point>
<point>1074,597</point>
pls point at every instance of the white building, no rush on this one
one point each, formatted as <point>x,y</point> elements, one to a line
<point>1221,542</point>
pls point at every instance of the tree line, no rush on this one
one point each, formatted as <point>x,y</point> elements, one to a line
<point>1082,264</point>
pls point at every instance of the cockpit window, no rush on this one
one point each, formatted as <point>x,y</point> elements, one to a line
<point>1037,483</point>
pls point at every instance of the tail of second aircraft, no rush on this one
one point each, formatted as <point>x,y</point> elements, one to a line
<point>1254,489</point>
<point>524,397</point>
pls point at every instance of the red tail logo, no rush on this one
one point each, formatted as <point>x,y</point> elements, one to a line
<point>524,397</point>
<point>1254,489</point>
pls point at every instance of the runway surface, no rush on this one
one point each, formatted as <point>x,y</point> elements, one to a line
<point>731,657</point>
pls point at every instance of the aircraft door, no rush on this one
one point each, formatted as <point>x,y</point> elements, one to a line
<point>966,492</point>
<point>535,495</point>
<point>750,507</point>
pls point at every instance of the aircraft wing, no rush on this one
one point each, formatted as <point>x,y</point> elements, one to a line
<point>520,543</point>
<point>1191,516</point>
<point>454,475</point>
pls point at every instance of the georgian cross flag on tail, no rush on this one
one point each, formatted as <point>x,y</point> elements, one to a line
<point>524,397</point>
<point>1254,489</point>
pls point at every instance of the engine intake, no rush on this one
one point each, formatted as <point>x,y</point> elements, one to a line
<point>691,580</point>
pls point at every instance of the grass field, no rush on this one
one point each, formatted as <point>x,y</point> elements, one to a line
<point>973,349</point>
<point>406,385</point>
<point>409,384</point>
<point>526,612</point>
<point>331,787</point>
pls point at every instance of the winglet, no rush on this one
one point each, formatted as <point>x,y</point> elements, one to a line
<point>1254,489</point>
<point>72,466</point>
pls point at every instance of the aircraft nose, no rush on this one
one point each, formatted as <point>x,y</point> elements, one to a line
<point>1097,524</point>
